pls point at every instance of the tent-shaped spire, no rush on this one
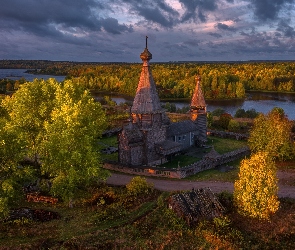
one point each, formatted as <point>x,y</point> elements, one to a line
<point>198,100</point>
<point>146,100</point>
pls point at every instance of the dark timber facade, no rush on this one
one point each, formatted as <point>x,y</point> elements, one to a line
<point>150,138</point>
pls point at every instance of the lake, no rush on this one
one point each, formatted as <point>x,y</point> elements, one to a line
<point>16,74</point>
<point>261,102</point>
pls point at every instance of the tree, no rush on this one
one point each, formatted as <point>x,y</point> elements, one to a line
<point>240,113</point>
<point>59,124</point>
<point>218,112</point>
<point>255,191</point>
<point>272,133</point>
<point>28,109</point>
<point>71,159</point>
<point>240,90</point>
<point>12,175</point>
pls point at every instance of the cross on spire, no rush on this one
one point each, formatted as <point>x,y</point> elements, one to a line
<point>146,37</point>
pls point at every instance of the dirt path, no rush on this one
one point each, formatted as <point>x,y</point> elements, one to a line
<point>285,177</point>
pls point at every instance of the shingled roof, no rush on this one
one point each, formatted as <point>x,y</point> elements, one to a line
<point>180,128</point>
<point>146,100</point>
<point>198,100</point>
<point>167,147</point>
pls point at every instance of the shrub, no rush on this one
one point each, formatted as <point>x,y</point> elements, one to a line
<point>218,112</point>
<point>224,120</point>
<point>233,125</point>
<point>138,186</point>
<point>251,113</point>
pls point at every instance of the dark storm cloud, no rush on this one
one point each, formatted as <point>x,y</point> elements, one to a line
<point>155,11</point>
<point>268,9</point>
<point>286,29</point>
<point>49,17</point>
<point>258,42</point>
<point>192,42</point>
<point>251,45</point>
<point>112,25</point>
<point>216,35</point>
<point>224,27</point>
<point>196,9</point>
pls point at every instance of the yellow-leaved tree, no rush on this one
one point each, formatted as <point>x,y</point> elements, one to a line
<point>255,191</point>
<point>272,133</point>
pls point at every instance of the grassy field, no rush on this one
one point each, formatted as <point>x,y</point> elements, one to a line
<point>222,145</point>
<point>145,222</point>
<point>218,174</point>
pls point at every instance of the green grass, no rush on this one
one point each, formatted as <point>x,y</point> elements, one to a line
<point>79,221</point>
<point>222,145</point>
<point>142,210</point>
<point>217,175</point>
<point>109,157</point>
<point>109,141</point>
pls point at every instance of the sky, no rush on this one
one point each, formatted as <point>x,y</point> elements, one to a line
<point>177,30</point>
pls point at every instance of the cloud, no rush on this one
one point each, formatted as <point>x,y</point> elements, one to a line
<point>216,35</point>
<point>196,9</point>
<point>114,30</point>
<point>224,27</point>
<point>112,25</point>
<point>285,28</point>
<point>57,18</point>
<point>154,11</point>
<point>266,10</point>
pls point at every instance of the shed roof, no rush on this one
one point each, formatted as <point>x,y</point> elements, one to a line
<point>196,204</point>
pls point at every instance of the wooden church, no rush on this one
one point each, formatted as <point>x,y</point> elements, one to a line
<point>149,138</point>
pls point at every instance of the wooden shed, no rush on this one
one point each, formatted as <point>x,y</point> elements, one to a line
<point>196,205</point>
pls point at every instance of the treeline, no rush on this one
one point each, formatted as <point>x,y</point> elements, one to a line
<point>219,80</point>
<point>7,85</point>
<point>176,80</point>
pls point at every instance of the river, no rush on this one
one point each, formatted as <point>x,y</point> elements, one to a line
<point>260,101</point>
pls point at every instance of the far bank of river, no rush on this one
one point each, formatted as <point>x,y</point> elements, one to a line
<point>260,101</point>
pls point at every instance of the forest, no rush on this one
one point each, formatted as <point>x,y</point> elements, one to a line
<point>174,80</point>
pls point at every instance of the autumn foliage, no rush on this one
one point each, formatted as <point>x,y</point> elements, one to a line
<point>272,133</point>
<point>255,191</point>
